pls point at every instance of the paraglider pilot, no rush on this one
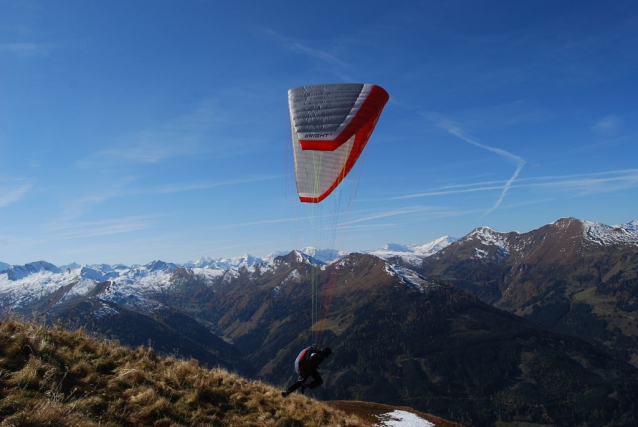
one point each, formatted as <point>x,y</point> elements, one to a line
<point>306,366</point>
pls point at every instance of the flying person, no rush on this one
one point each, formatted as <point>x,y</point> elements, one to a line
<point>306,366</point>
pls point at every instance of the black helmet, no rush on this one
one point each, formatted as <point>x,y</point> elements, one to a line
<point>326,351</point>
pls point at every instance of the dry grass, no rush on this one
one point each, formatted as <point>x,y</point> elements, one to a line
<point>53,377</point>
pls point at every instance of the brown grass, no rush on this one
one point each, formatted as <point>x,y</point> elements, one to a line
<point>53,377</point>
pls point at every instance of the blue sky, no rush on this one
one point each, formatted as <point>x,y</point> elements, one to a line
<point>139,130</point>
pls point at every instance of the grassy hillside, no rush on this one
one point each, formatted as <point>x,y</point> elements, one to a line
<point>60,378</point>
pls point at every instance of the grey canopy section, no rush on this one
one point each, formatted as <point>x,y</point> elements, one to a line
<point>323,108</point>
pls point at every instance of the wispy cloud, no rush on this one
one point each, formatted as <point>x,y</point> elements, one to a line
<point>302,48</point>
<point>608,126</point>
<point>77,230</point>
<point>472,188</point>
<point>577,184</point>
<point>455,130</point>
<point>500,116</point>
<point>12,191</point>
<point>391,213</point>
<point>184,135</point>
<point>206,185</point>
<point>597,183</point>
<point>27,50</point>
<point>414,214</point>
<point>78,207</point>
<point>260,222</point>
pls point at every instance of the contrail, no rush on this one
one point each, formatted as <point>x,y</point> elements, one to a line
<point>518,161</point>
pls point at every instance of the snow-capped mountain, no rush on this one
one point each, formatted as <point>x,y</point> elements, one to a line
<point>413,254</point>
<point>562,275</point>
<point>246,261</point>
<point>575,276</point>
<point>434,246</point>
<point>17,272</point>
<point>325,255</point>
<point>623,234</point>
<point>631,226</point>
<point>297,257</point>
<point>71,266</point>
<point>20,285</point>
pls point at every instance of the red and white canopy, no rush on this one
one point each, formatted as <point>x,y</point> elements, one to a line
<point>331,125</point>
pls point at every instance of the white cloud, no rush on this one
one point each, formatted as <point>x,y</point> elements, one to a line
<point>102,228</point>
<point>184,135</point>
<point>578,184</point>
<point>26,50</point>
<point>11,194</point>
<point>387,214</point>
<point>608,126</point>
<point>596,183</point>
<point>205,185</point>
<point>301,48</point>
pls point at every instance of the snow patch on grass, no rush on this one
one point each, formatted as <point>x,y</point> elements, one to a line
<point>399,418</point>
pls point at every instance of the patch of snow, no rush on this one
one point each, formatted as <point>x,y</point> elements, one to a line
<point>229,275</point>
<point>275,292</point>
<point>81,288</point>
<point>208,273</point>
<point>489,237</point>
<point>399,418</point>
<point>409,277</point>
<point>105,310</point>
<point>602,234</point>
<point>479,253</point>
<point>293,276</point>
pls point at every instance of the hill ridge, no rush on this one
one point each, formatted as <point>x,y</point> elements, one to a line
<point>51,376</point>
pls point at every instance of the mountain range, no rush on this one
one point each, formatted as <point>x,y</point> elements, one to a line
<point>574,277</point>
<point>494,327</point>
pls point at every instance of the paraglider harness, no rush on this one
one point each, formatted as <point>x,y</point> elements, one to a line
<point>302,362</point>
<point>306,365</point>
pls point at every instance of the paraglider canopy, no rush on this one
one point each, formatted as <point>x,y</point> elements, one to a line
<point>331,125</point>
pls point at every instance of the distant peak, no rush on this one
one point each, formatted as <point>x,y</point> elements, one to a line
<point>565,221</point>
<point>298,257</point>
<point>17,272</point>
<point>395,247</point>
<point>159,265</point>
<point>71,266</point>
<point>482,230</point>
<point>631,226</point>
<point>606,235</point>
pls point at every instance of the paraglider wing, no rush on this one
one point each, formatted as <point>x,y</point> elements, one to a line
<point>331,125</point>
